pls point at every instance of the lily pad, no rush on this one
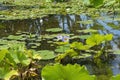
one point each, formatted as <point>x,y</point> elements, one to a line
<point>85,22</point>
<point>46,54</point>
<point>62,49</point>
<point>54,30</point>
<point>68,72</point>
<point>12,37</point>
<point>116,52</point>
<point>88,30</point>
<point>82,56</point>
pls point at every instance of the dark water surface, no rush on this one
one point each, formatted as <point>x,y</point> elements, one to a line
<point>105,24</point>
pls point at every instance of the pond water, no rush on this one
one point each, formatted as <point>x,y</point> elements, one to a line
<point>69,24</point>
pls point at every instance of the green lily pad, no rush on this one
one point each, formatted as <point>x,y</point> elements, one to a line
<point>4,47</point>
<point>62,49</point>
<point>54,30</point>
<point>82,56</point>
<point>116,52</point>
<point>85,22</point>
<point>88,30</point>
<point>12,37</point>
<point>46,54</point>
<point>49,41</point>
<point>80,36</point>
<point>68,72</point>
<point>33,47</point>
<point>84,36</point>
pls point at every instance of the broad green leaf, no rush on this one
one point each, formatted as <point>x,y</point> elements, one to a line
<point>46,54</point>
<point>3,54</point>
<point>88,30</point>
<point>85,22</point>
<point>68,72</point>
<point>54,30</point>
<point>96,3</point>
<point>14,37</point>
<point>10,74</point>
<point>23,59</point>
<point>71,53</point>
<point>116,51</point>
<point>62,49</point>
<point>79,46</point>
<point>14,56</point>
<point>6,74</point>
<point>108,37</point>
<point>95,40</point>
<point>36,56</point>
<point>117,77</point>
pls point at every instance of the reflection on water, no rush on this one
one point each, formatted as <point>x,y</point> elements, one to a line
<point>105,24</point>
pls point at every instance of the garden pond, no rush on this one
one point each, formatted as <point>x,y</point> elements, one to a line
<point>42,34</point>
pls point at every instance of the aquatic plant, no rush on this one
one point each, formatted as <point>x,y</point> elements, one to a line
<point>17,61</point>
<point>68,72</point>
<point>92,45</point>
<point>117,77</point>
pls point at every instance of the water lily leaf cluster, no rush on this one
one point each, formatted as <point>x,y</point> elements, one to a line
<point>25,9</point>
<point>92,41</point>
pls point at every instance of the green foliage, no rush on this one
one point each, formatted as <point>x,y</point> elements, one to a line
<point>68,72</point>
<point>117,77</point>
<point>46,54</point>
<point>70,53</point>
<point>54,30</point>
<point>7,74</point>
<point>62,49</point>
<point>3,54</point>
<point>88,30</point>
<point>91,41</point>
<point>96,3</point>
<point>79,46</point>
<point>98,39</point>
<point>16,61</point>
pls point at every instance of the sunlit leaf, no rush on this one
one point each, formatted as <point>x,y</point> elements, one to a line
<point>7,74</point>
<point>95,40</point>
<point>108,37</point>
<point>117,77</point>
<point>68,72</point>
<point>3,54</point>
<point>54,30</point>
<point>46,54</point>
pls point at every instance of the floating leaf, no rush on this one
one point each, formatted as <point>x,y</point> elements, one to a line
<point>88,30</point>
<point>14,37</point>
<point>62,49</point>
<point>108,37</point>
<point>54,30</point>
<point>68,72</point>
<point>95,40</point>
<point>116,51</point>
<point>85,22</point>
<point>79,46</point>
<point>82,56</point>
<point>46,54</point>
<point>84,36</point>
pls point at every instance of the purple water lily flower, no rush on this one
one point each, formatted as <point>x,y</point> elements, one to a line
<point>64,38</point>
